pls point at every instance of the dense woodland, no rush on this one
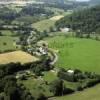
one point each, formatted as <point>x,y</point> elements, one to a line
<point>85,21</point>
<point>8,15</point>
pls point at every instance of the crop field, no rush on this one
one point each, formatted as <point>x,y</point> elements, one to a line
<point>88,94</point>
<point>77,53</point>
<point>16,56</point>
<point>7,43</point>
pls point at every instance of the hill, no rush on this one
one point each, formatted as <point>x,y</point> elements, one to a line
<point>47,23</point>
<point>87,20</point>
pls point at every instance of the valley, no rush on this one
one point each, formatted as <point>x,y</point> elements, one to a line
<point>49,50</point>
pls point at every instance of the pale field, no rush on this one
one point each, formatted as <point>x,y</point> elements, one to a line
<point>17,56</point>
<point>56,17</point>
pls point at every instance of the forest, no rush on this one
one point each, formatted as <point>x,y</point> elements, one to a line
<point>85,21</point>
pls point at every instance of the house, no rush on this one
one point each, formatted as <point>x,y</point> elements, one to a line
<point>70,72</point>
<point>43,51</point>
<point>65,29</point>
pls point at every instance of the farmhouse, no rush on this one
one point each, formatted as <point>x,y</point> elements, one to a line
<point>42,48</point>
<point>71,72</point>
<point>40,51</point>
<point>65,29</point>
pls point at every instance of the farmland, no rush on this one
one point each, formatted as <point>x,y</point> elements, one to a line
<point>7,43</point>
<point>71,56</point>
<point>41,57</point>
<point>47,23</point>
<point>16,56</point>
<point>88,94</point>
<point>50,22</point>
<point>44,24</point>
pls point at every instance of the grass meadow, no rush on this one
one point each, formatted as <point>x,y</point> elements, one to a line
<point>44,25</point>
<point>77,53</point>
<point>7,43</point>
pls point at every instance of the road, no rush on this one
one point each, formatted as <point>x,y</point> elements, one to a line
<point>54,57</point>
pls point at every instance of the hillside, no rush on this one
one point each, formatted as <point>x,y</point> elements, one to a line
<point>87,20</point>
<point>93,2</point>
<point>92,94</point>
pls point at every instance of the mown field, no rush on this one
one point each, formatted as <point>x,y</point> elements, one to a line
<point>88,94</point>
<point>76,53</point>
<point>16,56</point>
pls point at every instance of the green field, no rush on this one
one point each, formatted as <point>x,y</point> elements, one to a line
<point>44,25</point>
<point>7,33</point>
<point>88,94</point>
<point>7,43</point>
<point>76,53</point>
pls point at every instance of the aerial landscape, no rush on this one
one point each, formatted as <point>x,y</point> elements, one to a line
<point>49,49</point>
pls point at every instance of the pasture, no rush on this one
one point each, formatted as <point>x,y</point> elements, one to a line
<point>16,56</point>
<point>77,53</point>
<point>44,25</point>
<point>7,43</point>
<point>88,94</point>
<point>47,23</point>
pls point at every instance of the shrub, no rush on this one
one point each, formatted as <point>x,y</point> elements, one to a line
<point>41,96</point>
<point>68,91</point>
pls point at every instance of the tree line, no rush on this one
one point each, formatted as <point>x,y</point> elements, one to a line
<point>86,21</point>
<point>8,15</point>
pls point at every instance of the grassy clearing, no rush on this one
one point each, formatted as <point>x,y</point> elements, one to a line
<point>44,25</point>
<point>16,56</point>
<point>77,53</point>
<point>49,76</point>
<point>7,43</point>
<point>88,94</point>
<point>47,23</point>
